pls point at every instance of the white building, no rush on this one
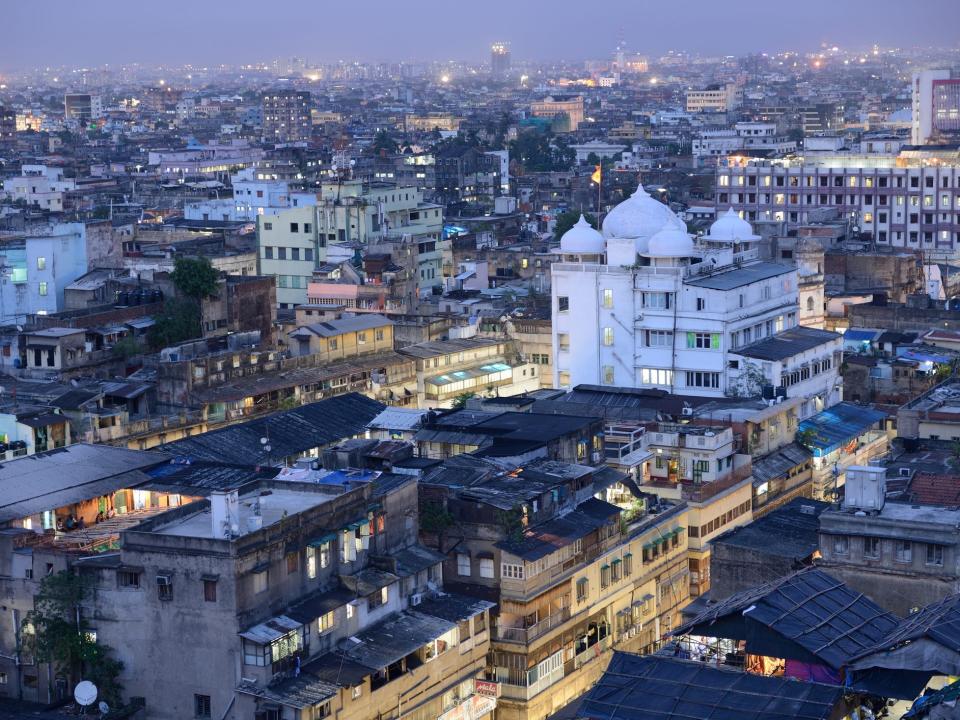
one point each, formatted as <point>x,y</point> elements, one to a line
<point>640,305</point>
<point>753,136</point>
<point>251,197</point>
<point>921,128</point>
<point>39,185</point>
<point>35,268</point>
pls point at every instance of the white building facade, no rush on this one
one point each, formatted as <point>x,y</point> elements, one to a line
<point>639,305</point>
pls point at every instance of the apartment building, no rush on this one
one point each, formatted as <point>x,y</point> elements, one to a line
<point>575,577</point>
<point>566,110</point>
<point>40,185</point>
<point>447,369</point>
<point>286,116</point>
<point>285,583</point>
<point>714,98</point>
<point>902,555</point>
<point>701,466</point>
<point>896,201</point>
<point>641,305</point>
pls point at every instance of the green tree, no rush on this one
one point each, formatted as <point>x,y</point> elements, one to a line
<point>460,401</point>
<point>178,321</point>
<point>55,632</point>
<point>435,519</point>
<point>383,144</point>
<point>127,348</point>
<point>568,219</point>
<point>195,277</point>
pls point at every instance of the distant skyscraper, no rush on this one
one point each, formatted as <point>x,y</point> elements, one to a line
<point>286,116</point>
<point>499,59</point>
<point>936,106</point>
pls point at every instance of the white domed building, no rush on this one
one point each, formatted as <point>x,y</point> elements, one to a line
<point>656,309</point>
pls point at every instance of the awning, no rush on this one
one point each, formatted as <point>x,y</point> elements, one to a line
<point>318,541</point>
<point>836,426</point>
<point>271,630</point>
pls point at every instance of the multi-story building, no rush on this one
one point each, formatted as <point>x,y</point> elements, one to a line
<point>8,124</point>
<point>40,185</point>
<point>252,196</point>
<point>499,59</point>
<point>575,576</point>
<point>565,110</point>
<point>714,98</point>
<point>640,305</point>
<point>431,121</point>
<point>286,116</point>
<point>904,556</point>
<point>213,160</point>
<point>38,264</point>
<point>82,107</point>
<point>936,106</point>
<point>345,337</point>
<point>901,201</point>
<point>752,137</point>
<point>306,600</point>
<point>701,466</point>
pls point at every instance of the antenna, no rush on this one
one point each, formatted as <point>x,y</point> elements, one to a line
<point>85,693</point>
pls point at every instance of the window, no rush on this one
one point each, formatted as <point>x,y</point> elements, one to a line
<point>361,338</point>
<point>463,564</point>
<point>380,597</point>
<point>657,300</point>
<point>294,253</point>
<point>628,565</point>
<point>903,551</point>
<point>164,587</point>
<point>608,375</point>
<point>41,263</point>
<point>659,338</point>
<point>293,563</point>
<point>332,344</point>
<point>201,706</point>
<point>608,298</point>
<point>696,378</point>
<point>128,579</point>
<point>268,226</point>
<point>656,376</point>
<point>307,228</point>
<point>349,611</point>
<point>294,227</point>
<point>260,581</point>
<point>325,623</point>
<point>563,303</point>
<point>209,590</point>
<point>43,289</point>
<point>356,692</point>
<point>701,304</point>
<point>605,573</point>
<point>281,253</point>
<point>311,562</point>
<point>486,567</point>
<point>378,335</point>
<point>841,545</point>
<point>935,555</point>
<point>871,548</point>
<point>703,341</point>
<point>608,336</point>
<point>325,554</point>
<point>267,253</point>
<point>512,571</point>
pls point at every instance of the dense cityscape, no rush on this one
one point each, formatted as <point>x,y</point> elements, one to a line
<point>496,389</point>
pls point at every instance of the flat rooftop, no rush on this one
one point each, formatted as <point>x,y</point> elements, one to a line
<point>279,504</point>
<point>741,276</point>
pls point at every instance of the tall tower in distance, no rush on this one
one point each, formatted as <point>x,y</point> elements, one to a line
<point>936,106</point>
<point>499,59</point>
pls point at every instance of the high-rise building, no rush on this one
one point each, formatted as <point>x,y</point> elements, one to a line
<point>936,106</point>
<point>499,59</point>
<point>286,116</point>
<point>82,107</point>
<point>8,124</point>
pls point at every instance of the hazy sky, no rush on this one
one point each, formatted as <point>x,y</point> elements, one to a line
<point>92,32</point>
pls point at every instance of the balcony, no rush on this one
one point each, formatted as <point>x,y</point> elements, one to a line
<point>592,652</point>
<point>528,634</point>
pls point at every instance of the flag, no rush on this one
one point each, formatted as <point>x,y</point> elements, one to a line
<point>597,174</point>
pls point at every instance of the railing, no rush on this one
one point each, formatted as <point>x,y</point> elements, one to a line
<point>592,652</point>
<point>526,692</point>
<point>529,634</point>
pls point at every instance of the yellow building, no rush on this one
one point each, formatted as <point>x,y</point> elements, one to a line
<point>345,337</point>
<point>432,121</point>
<point>555,106</point>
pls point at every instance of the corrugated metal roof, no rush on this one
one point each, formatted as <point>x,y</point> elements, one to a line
<point>271,630</point>
<point>837,426</point>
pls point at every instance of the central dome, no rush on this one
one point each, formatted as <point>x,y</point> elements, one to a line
<point>639,218</point>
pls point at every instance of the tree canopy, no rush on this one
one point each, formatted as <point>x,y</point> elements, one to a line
<point>542,152</point>
<point>195,277</point>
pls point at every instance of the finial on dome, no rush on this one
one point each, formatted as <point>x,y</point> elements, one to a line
<point>640,192</point>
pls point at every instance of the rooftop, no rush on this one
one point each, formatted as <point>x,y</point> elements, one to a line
<point>739,277</point>
<point>789,531</point>
<point>654,687</point>
<point>788,343</point>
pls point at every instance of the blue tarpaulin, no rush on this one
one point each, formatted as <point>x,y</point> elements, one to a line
<point>836,426</point>
<point>854,335</point>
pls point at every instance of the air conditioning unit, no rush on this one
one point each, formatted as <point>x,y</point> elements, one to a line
<point>416,598</point>
<point>686,411</point>
<point>905,472</point>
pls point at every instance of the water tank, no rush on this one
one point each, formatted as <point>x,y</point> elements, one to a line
<point>865,488</point>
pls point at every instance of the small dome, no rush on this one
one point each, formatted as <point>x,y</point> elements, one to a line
<point>582,239</point>
<point>731,228</point>
<point>671,242</point>
<point>639,217</point>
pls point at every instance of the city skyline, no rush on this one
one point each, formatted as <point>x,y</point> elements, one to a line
<point>206,34</point>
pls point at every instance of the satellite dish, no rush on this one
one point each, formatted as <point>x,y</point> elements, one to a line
<point>85,693</point>
<point>104,708</point>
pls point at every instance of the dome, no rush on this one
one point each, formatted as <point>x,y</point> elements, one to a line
<point>671,242</point>
<point>639,217</point>
<point>731,228</point>
<point>582,239</point>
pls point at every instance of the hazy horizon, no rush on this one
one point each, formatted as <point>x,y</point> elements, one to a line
<point>62,32</point>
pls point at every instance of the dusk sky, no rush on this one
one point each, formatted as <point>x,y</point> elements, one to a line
<point>74,32</point>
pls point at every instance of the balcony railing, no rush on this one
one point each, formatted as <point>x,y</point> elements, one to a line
<point>531,633</point>
<point>592,652</point>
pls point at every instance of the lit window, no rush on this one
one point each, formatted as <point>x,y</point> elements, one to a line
<point>608,298</point>
<point>43,289</point>
<point>41,263</point>
<point>608,336</point>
